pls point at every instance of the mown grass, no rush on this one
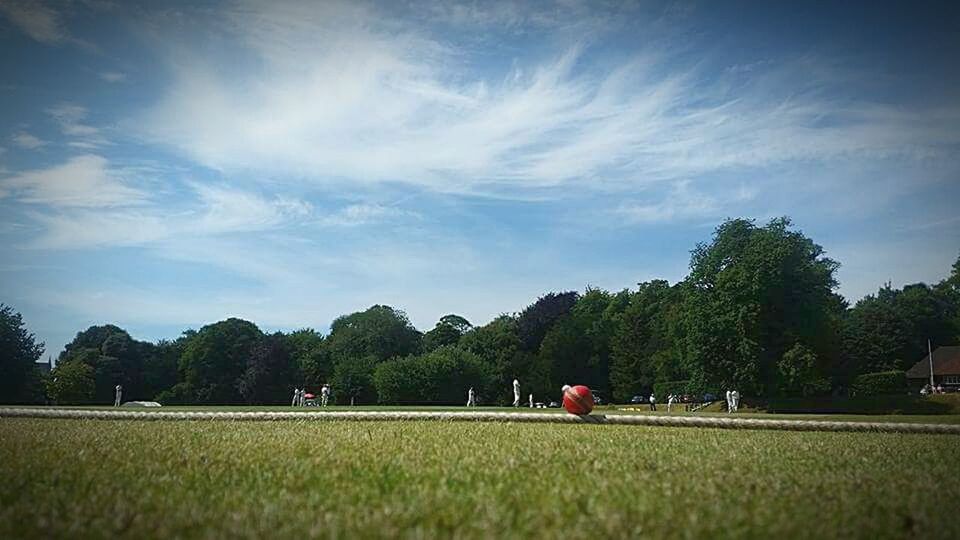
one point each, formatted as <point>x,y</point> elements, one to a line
<point>89,478</point>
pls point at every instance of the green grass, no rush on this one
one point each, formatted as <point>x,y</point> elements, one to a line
<point>88,478</point>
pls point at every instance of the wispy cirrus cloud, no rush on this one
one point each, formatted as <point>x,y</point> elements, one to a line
<point>355,99</point>
<point>27,141</point>
<point>85,181</point>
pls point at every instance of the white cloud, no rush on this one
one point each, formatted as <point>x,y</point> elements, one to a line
<point>38,21</point>
<point>28,141</point>
<point>70,116</point>
<point>113,76</point>
<point>364,214</point>
<point>682,202</point>
<point>83,181</point>
<point>352,98</point>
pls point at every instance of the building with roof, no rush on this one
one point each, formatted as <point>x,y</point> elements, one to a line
<point>946,368</point>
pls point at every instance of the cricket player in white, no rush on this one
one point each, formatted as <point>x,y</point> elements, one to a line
<point>296,396</point>
<point>531,401</point>
<point>117,396</point>
<point>471,398</point>
<point>670,400</point>
<point>516,393</point>
<point>735,399</point>
<point>324,395</point>
<point>729,401</point>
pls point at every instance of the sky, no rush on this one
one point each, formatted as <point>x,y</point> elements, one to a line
<point>165,165</point>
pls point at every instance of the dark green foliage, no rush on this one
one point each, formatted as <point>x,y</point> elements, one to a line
<point>266,379</point>
<point>878,384</point>
<point>352,381</point>
<point>214,359</point>
<point>535,321</point>
<point>646,344</point>
<point>448,331</point>
<point>71,383</point>
<point>665,388</point>
<point>890,330</point>
<point>799,374</point>
<point>442,376</point>
<point>754,293</point>
<point>498,345</point>
<point>19,352</point>
<point>311,356</point>
<point>381,332</point>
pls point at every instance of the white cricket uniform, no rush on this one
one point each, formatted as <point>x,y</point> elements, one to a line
<point>516,393</point>
<point>118,395</point>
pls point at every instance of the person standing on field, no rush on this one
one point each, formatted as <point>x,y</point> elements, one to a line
<point>670,400</point>
<point>729,401</point>
<point>531,401</point>
<point>296,397</point>
<point>735,399</point>
<point>471,398</point>
<point>117,395</point>
<point>324,395</point>
<point>653,402</point>
<point>516,393</point>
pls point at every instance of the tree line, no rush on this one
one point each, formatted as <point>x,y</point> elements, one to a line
<point>758,311</point>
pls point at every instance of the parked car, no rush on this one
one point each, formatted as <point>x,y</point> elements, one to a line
<point>638,399</point>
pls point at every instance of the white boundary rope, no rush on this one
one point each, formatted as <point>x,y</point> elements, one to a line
<point>635,420</point>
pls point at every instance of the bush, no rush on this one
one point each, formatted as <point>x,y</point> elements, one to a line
<point>876,384</point>
<point>665,388</point>
<point>178,394</point>
<point>439,377</point>
<point>71,383</point>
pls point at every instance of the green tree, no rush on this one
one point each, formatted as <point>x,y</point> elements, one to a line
<point>535,320</point>
<point>498,345</point>
<point>214,359</point>
<point>19,352</point>
<point>442,376</point>
<point>799,373</point>
<point>71,383</point>
<point>754,292</point>
<point>448,331</point>
<point>646,346</point>
<point>115,357</point>
<point>381,332</point>
<point>352,381</point>
<point>270,372</point>
<point>311,355</point>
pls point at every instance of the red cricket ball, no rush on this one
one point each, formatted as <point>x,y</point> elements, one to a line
<point>577,399</point>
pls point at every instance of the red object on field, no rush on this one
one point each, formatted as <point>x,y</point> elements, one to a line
<point>309,396</point>
<point>577,399</point>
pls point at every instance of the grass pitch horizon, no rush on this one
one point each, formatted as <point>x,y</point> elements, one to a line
<point>103,478</point>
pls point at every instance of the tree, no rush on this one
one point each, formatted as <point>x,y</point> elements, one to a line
<point>754,292</point>
<point>448,331</point>
<point>115,357</point>
<point>442,376</point>
<point>647,342</point>
<point>71,382</point>
<point>381,332</point>
<point>269,373</point>
<point>214,359</point>
<point>353,381</point>
<point>498,345</point>
<point>536,319</point>
<point>19,352</point>
<point>311,356</point>
<point>799,373</point>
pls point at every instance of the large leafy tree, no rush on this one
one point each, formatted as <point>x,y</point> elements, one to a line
<point>889,330</point>
<point>116,358</point>
<point>71,383</point>
<point>755,293</point>
<point>448,331</point>
<point>442,376</point>
<point>19,352</point>
<point>214,359</point>
<point>311,356</point>
<point>646,345</point>
<point>535,320</point>
<point>498,345</point>
<point>269,372</point>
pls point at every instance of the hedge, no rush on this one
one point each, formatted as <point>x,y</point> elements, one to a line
<point>665,388</point>
<point>877,384</point>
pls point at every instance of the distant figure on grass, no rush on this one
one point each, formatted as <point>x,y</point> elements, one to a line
<point>729,401</point>
<point>471,398</point>
<point>117,395</point>
<point>531,401</point>
<point>296,397</point>
<point>653,402</point>
<point>671,399</point>
<point>324,395</point>
<point>516,393</point>
<point>735,399</point>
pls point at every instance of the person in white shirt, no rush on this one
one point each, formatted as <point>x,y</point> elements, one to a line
<point>117,395</point>
<point>671,399</point>
<point>653,402</point>
<point>324,395</point>
<point>296,397</point>
<point>729,401</point>
<point>471,398</point>
<point>516,393</point>
<point>735,398</point>
<point>531,401</point>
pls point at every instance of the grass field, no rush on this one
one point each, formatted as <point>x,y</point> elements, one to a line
<point>89,478</point>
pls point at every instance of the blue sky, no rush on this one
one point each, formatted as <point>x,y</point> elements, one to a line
<point>167,165</point>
